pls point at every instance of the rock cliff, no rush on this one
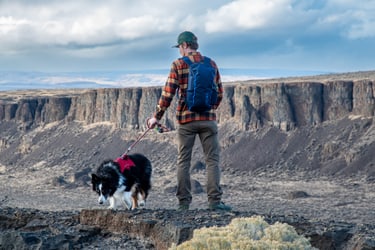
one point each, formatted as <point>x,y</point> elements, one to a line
<point>285,105</point>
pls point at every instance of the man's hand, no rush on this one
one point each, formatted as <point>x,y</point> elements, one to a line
<point>151,122</point>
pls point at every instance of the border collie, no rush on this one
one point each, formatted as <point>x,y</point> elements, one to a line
<point>125,181</point>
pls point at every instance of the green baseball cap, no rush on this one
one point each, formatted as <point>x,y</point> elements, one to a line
<point>187,37</point>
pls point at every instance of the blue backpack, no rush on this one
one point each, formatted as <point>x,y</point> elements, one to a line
<point>202,90</point>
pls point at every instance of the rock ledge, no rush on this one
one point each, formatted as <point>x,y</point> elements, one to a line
<point>152,229</point>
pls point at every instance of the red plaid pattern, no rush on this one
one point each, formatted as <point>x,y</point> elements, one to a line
<point>178,81</point>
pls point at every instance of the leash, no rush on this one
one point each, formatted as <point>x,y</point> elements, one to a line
<point>134,143</point>
<point>159,128</point>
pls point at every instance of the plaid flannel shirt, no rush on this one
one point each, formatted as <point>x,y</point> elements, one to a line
<point>178,81</point>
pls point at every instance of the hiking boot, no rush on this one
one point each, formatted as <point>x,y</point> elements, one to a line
<point>219,207</point>
<point>183,207</point>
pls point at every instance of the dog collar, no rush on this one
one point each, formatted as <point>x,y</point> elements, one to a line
<point>125,163</point>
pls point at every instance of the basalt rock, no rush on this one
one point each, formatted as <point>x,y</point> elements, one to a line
<point>285,105</point>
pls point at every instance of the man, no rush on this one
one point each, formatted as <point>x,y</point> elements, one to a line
<point>191,124</point>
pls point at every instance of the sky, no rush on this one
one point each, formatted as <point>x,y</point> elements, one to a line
<point>115,35</point>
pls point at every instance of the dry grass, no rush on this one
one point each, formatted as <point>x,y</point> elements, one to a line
<point>246,233</point>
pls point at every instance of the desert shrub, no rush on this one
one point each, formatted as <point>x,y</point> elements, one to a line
<point>246,233</point>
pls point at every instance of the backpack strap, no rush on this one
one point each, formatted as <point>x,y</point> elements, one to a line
<point>187,60</point>
<point>206,60</point>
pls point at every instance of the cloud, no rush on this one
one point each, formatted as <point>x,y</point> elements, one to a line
<point>245,15</point>
<point>127,32</point>
<point>364,26</point>
<point>98,23</point>
<point>354,19</point>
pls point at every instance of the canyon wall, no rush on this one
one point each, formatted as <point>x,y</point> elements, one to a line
<point>285,105</point>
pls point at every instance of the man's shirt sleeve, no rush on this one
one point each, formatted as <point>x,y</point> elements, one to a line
<point>169,90</point>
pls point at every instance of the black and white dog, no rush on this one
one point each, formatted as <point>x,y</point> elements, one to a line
<point>126,181</point>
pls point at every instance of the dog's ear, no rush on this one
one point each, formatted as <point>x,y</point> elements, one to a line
<point>94,178</point>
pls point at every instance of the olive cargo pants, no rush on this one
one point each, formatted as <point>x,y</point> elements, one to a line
<point>208,135</point>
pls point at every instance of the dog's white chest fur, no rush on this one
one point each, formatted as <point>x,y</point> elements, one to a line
<point>120,197</point>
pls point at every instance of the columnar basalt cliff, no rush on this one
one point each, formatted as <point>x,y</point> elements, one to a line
<point>249,106</point>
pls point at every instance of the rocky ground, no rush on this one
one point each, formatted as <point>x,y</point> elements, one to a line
<point>48,169</point>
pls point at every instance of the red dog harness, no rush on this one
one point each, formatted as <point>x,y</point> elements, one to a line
<point>125,163</point>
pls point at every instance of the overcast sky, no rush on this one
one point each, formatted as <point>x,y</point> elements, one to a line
<point>89,35</point>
